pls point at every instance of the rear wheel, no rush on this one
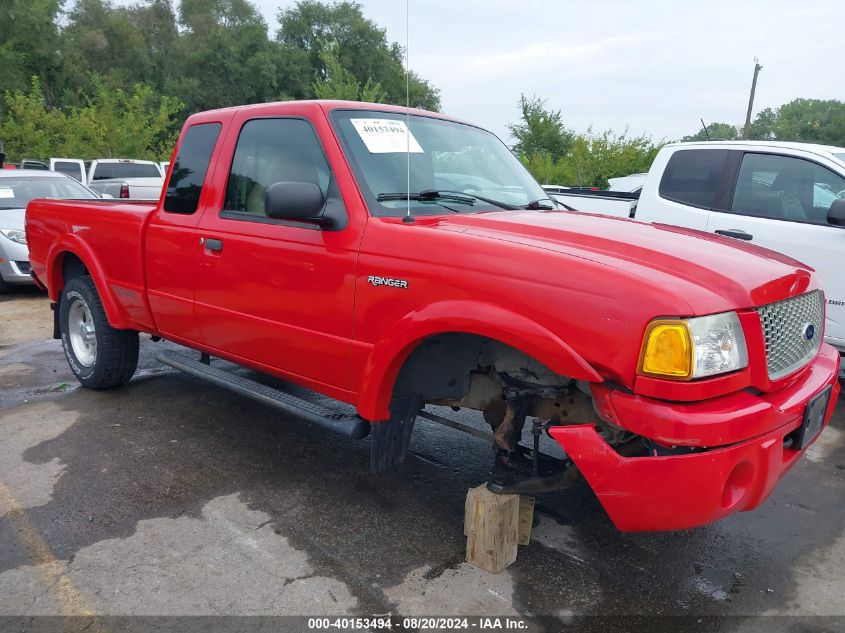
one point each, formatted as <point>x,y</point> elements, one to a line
<point>99,355</point>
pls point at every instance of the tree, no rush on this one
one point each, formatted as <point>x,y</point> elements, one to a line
<point>29,43</point>
<point>102,39</point>
<point>541,131</point>
<point>338,83</point>
<point>136,123</point>
<point>556,155</point>
<point>358,44</point>
<point>722,131</point>
<point>802,120</point>
<point>224,56</point>
<point>100,62</point>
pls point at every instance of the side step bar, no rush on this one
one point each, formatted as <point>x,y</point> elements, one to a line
<point>317,413</point>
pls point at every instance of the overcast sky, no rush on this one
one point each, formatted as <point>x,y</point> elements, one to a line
<point>654,67</point>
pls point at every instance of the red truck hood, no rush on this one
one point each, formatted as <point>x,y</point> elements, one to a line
<point>713,273</point>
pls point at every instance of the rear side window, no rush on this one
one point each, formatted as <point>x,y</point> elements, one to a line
<point>692,176</point>
<point>271,151</point>
<point>188,173</point>
<point>74,170</point>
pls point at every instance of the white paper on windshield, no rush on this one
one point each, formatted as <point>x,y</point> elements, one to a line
<point>7,192</point>
<point>386,136</point>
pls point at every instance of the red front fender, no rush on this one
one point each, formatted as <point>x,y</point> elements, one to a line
<point>393,348</point>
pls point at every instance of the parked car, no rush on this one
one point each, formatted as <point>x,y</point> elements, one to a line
<point>789,197</point>
<point>126,178</point>
<point>682,373</point>
<point>165,165</point>
<point>29,163</point>
<point>17,188</point>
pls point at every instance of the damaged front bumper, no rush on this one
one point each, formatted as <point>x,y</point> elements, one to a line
<point>744,443</point>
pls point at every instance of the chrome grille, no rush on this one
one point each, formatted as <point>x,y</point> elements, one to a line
<point>786,325</point>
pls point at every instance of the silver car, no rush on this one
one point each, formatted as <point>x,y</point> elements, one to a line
<point>17,188</point>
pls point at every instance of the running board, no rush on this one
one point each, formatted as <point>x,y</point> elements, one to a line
<point>321,414</point>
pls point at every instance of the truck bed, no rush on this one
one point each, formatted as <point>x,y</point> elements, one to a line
<point>113,229</point>
<point>614,203</point>
<point>139,188</point>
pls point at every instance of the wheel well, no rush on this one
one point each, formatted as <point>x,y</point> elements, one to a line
<point>72,267</point>
<point>442,366</point>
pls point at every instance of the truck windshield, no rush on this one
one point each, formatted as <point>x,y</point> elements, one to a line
<point>17,191</point>
<point>445,158</point>
<point>106,171</point>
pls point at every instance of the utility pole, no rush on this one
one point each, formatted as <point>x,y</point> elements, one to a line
<point>757,69</point>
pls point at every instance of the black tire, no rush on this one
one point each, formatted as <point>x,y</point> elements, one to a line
<point>4,287</point>
<point>115,352</point>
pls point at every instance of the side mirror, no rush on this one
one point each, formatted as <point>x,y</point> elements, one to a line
<point>836,214</point>
<point>297,201</point>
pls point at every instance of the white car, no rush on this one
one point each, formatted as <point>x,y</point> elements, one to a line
<point>17,188</point>
<point>789,197</point>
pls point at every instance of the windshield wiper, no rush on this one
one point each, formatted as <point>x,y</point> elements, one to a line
<point>425,196</point>
<point>495,203</point>
<point>448,195</point>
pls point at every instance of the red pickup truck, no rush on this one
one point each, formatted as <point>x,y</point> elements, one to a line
<point>388,259</point>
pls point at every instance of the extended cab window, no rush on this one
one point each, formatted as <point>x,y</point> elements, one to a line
<point>271,151</point>
<point>692,176</point>
<point>188,174</point>
<point>785,188</point>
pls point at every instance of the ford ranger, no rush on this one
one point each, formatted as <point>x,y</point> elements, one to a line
<point>789,197</point>
<point>388,259</point>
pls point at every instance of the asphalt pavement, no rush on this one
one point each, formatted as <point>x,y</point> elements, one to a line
<point>170,497</point>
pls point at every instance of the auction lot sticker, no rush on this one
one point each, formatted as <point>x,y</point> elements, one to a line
<point>385,136</point>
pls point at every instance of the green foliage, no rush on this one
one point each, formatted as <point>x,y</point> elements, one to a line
<point>557,155</point>
<point>136,124</point>
<point>723,131</point>
<point>103,65</point>
<point>802,120</point>
<point>338,83</point>
<point>358,43</point>
<point>540,131</point>
<point>29,41</point>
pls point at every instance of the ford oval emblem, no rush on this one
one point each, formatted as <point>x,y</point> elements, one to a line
<point>809,331</point>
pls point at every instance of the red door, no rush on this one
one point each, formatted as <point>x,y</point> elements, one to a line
<point>172,231</point>
<point>275,294</point>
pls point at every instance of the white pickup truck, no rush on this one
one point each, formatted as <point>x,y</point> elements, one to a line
<point>789,197</point>
<point>115,177</point>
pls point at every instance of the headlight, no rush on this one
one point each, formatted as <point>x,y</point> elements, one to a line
<point>683,349</point>
<point>15,235</point>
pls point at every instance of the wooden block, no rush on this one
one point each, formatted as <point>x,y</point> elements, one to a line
<point>526,519</point>
<point>491,524</point>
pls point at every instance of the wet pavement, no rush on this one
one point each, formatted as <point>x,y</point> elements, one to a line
<point>171,497</point>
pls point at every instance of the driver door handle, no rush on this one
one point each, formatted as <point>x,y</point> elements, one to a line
<point>212,245</point>
<point>735,233</point>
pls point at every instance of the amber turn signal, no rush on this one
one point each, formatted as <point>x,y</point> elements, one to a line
<point>667,350</point>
